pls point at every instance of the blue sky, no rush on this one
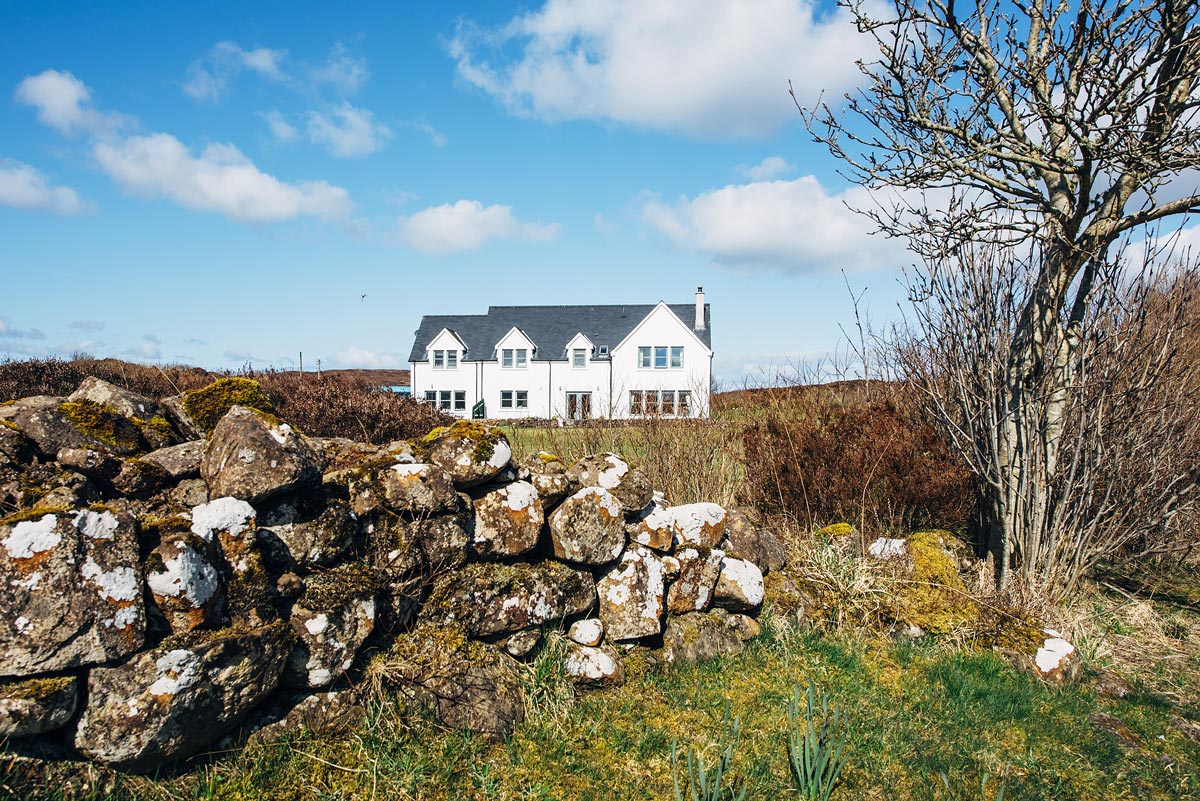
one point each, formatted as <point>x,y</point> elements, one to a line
<point>216,184</point>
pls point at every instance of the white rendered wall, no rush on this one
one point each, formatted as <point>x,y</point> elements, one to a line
<point>662,328</point>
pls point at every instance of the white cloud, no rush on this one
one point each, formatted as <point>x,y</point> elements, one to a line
<point>281,129</point>
<point>25,187</point>
<point>8,332</point>
<point>150,348</point>
<point>424,126</point>
<point>64,103</point>
<point>209,76</point>
<point>220,179</point>
<point>715,70</point>
<point>768,169</point>
<point>796,226</point>
<point>467,225</point>
<point>367,359</point>
<point>88,326</point>
<point>604,225</point>
<point>342,71</point>
<point>349,132</point>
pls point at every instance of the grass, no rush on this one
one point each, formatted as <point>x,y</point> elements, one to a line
<point>914,713</point>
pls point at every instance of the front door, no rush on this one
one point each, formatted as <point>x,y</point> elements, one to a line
<point>579,405</point>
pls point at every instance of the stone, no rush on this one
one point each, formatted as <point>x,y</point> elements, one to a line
<point>745,627</point>
<point>54,424</point>
<point>699,569</point>
<point>543,463</point>
<point>1056,661</point>
<point>188,493</point>
<point>1109,685</point>
<point>183,576</point>
<point>610,472</point>
<point>492,599</point>
<point>522,644</point>
<point>324,714</point>
<point>302,530</point>
<point>1118,729</point>
<point>739,586</point>
<point>587,632</point>
<point>97,465</point>
<point>231,524</point>
<point>508,521</point>
<point>653,527</point>
<point>745,541</point>
<point>332,620</point>
<point>183,422</point>
<point>180,461</point>
<point>404,488</point>
<point>696,637</point>
<point>167,703</point>
<point>888,548</point>
<point>123,401</point>
<point>588,528</point>
<point>466,684</point>
<point>698,524</point>
<point>36,706</point>
<point>253,456</point>
<point>67,490</point>
<point>140,479</point>
<point>785,596</point>
<point>592,667</point>
<point>551,487</point>
<point>631,596</point>
<point>443,538</point>
<point>15,447</point>
<point>70,589</point>
<point>471,452</point>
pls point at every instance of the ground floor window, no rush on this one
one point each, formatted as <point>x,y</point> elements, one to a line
<point>431,396</point>
<point>444,399</point>
<point>514,399</point>
<point>649,402</point>
<point>460,400</point>
<point>579,405</point>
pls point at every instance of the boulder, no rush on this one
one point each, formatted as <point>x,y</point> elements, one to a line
<point>332,620</point>
<point>402,487</point>
<point>324,714</point>
<point>148,415</point>
<point>739,586</point>
<point>696,637</point>
<point>231,524</point>
<point>699,569</point>
<point>188,493</point>
<point>522,644</point>
<point>443,539</point>
<point>36,706</point>
<point>140,479</point>
<point>592,667</point>
<point>302,530</point>
<point>631,596</point>
<point>466,684</point>
<point>167,703</point>
<point>587,632</point>
<point>253,456</point>
<point>551,487</point>
<point>15,447</point>
<point>492,599</point>
<point>787,597</point>
<point>1056,661</point>
<point>101,466</point>
<point>184,578</point>
<point>55,424</point>
<point>745,627</point>
<point>70,589</point>
<point>471,452</point>
<point>610,472</point>
<point>588,528</point>
<point>543,463</point>
<point>698,524</point>
<point>745,541</point>
<point>653,527</point>
<point>180,461</point>
<point>177,413</point>
<point>508,521</point>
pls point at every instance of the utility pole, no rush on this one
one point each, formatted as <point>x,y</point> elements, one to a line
<point>301,362</point>
<point>318,368</point>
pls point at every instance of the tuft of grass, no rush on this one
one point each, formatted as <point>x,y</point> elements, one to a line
<point>816,744</point>
<point>708,782</point>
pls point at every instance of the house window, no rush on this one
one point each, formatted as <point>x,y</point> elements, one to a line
<point>506,399</point>
<point>439,359</point>
<point>579,357</point>
<point>643,357</point>
<point>685,403</point>
<point>460,400</point>
<point>431,396</point>
<point>521,355</point>
<point>451,359</point>
<point>444,399</point>
<point>506,357</point>
<point>510,357</point>
<point>666,404</point>
<point>677,357</point>
<point>522,399</point>
<point>660,357</point>
<point>651,402</point>
<point>635,401</point>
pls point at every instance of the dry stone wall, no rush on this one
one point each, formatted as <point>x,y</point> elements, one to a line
<point>160,591</point>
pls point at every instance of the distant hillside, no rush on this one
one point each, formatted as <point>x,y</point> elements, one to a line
<point>377,378</point>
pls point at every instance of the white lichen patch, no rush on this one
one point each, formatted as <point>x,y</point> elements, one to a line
<point>316,626</point>
<point>281,433</point>
<point>23,624</point>
<point>227,514</point>
<point>31,537</point>
<point>29,583</point>
<point>125,617</point>
<point>744,578</point>
<point>1054,651</point>
<point>368,608</point>
<point>610,477</point>
<point>96,525</point>
<point>247,455</point>
<point>118,584</point>
<point>586,632</point>
<point>187,575</point>
<point>501,454</point>
<point>888,548</point>
<point>589,663</point>
<point>695,522</point>
<point>408,470</point>
<point>606,500</point>
<point>319,677</point>
<point>175,671</point>
<point>520,496</point>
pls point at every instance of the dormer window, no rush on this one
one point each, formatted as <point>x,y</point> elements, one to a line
<point>514,357</point>
<point>579,357</point>
<point>452,359</point>
<point>439,359</point>
<point>445,359</point>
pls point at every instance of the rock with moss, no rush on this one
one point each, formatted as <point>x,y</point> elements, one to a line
<point>97,465</point>
<point>140,479</point>
<point>632,595</point>
<point>401,487</point>
<point>696,637</point>
<point>466,684</point>
<point>444,539</point>
<point>700,524</point>
<point>747,541</point>
<point>552,488</point>
<point>253,456</point>
<point>543,463</point>
<point>739,586</point>
<point>181,461</point>
<point>148,415</point>
<point>471,452</point>
<point>55,423</point>
<point>336,713</point>
<point>206,407</point>
<point>931,595</point>
<point>183,576</point>
<point>15,447</point>
<point>70,589</point>
<point>332,619</point>
<point>37,706</point>
<point>610,472</point>
<point>231,524</point>
<point>588,528</point>
<point>745,627</point>
<point>302,530</point>
<point>492,599</point>
<point>67,489</point>
<point>699,569</point>
<point>653,527</point>
<point>167,703</point>
<point>787,597</point>
<point>181,420</point>
<point>508,521</point>
<point>593,667</point>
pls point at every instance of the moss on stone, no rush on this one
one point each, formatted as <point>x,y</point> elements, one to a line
<point>37,690</point>
<point>836,530</point>
<point>36,513</point>
<point>10,425</point>
<point>102,422</point>
<point>485,437</point>
<point>157,425</point>
<point>934,597</point>
<point>207,406</point>
<point>333,589</point>
<point>157,526</point>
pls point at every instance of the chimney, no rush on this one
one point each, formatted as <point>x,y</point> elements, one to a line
<point>699,308</point>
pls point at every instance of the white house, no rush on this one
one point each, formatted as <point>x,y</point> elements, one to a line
<point>570,362</point>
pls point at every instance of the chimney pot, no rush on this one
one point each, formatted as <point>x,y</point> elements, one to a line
<point>699,308</point>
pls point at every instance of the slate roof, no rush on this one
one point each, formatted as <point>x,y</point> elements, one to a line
<point>550,327</point>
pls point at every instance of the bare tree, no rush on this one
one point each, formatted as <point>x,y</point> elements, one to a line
<point>1054,127</point>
